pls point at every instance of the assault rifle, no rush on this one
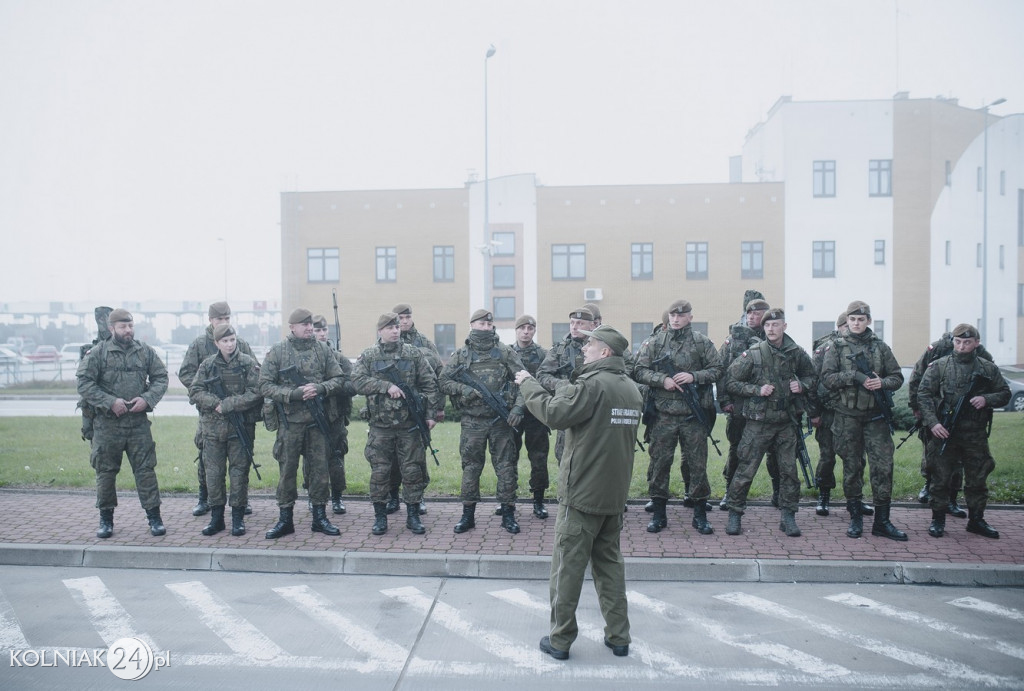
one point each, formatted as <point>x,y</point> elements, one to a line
<point>414,402</point>
<point>216,387</point>
<point>315,406</point>
<point>690,396</point>
<point>952,415</point>
<point>911,432</point>
<point>883,398</point>
<point>337,322</point>
<point>462,373</point>
<point>801,451</point>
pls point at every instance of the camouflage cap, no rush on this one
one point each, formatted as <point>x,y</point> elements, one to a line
<point>402,308</point>
<point>582,313</point>
<point>222,330</point>
<point>524,320</point>
<point>965,331</point>
<point>119,315</point>
<point>219,309</point>
<point>776,313</point>
<point>594,310</point>
<point>749,295</point>
<point>680,307</point>
<point>758,304</point>
<point>387,319</point>
<point>319,321</point>
<point>841,320</point>
<point>610,337</point>
<point>481,315</point>
<point>858,307</point>
<point>301,315</point>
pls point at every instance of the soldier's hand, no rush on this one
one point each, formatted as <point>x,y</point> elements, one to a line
<point>670,384</point>
<point>395,392</point>
<point>795,386</point>
<point>766,390</point>
<point>522,375</point>
<point>873,384</point>
<point>430,424</point>
<point>308,391</point>
<point>728,408</point>
<point>979,402</point>
<point>469,393</point>
<point>439,416</point>
<point>514,419</point>
<point>138,405</point>
<point>815,422</point>
<point>119,408</point>
<point>683,378</point>
<point>940,432</point>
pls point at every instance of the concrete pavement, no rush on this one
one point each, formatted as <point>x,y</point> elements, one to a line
<point>57,528</point>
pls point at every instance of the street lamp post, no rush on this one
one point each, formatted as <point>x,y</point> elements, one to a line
<point>983,330</point>
<point>487,205</point>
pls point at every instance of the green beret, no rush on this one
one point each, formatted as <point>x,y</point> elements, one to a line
<point>524,320</point>
<point>758,304</point>
<point>300,316</point>
<point>481,315</point>
<point>858,307</point>
<point>841,320</point>
<point>402,308</point>
<point>222,330</point>
<point>774,314</point>
<point>965,331</point>
<point>610,337</point>
<point>319,321</point>
<point>593,309</point>
<point>119,315</point>
<point>582,313</point>
<point>219,309</point>
<point>680,307</point>
<point>387,319</point>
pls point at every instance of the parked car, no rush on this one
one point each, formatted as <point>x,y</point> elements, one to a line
<point>9,357</point>
<point>45,353</point>
<point>70,352</point>
<point>1016,403</point>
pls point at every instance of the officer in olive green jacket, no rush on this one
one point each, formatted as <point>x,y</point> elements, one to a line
<point>600,409</point>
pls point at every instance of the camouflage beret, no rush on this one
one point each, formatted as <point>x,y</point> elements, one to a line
<point>680,307</point>
<point>776,313</point>
<point>524,320</point>
<point>301,315</point>
<point>858,307</point>
<point>610,337</point>
<point>119,315</point>
<point>582,313</point>
<point>219,309</point>
<point>965,331</point>
<point>319,321</point>
<point>402,308</point>
<point>222,330</point>
<point>841,320</point>
<point>481,315</point>
<point>387,319</point>
<point>757,304</point>
<point>594,309</point>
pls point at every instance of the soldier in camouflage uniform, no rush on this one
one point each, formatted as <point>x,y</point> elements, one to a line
<point>563,358</point>
<point>859,427</point>
<point>825,473</point>
<point>494,365</point>
<point>535,432</point>
<point>744,334</point>
<point>938,349</point>
<point>225,453</point>
<point>769,379</point>
<point>674,358</point>
<point>200,349</point>
<point>297,430</point>
<point>339,410</point>
<point>963,445</point>
<point>122,380</point>
<point>100,314</point>
<point>393,437</point>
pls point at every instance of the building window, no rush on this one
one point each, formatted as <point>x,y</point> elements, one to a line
<point>880,251</point>
<point>949,252</point>
<point>699,327</point>
<point>878,326</point>
<point>880,178</point>
<point>387,264</point>
<point>824,259</point>
<point>639,331</point>
<point>444,339</point>
<point>558,331</point>
<point>981,179</point>
<point>641,261</point>
<point>1002,182</point>
<point>751,260</point>
<point>503,244</point>
<point>949,174</point>
<point>1001,335</point>
<point>696,261</point>
<point>946,330</point>
<point>1002,257</point>
<point>504,309</point>
<point>568,262</point>
<point>980,256</point>
<point>820,329</point>
<point>444,263</point>
<point>504,276</point>
<point>322,265</point>
<point>824,178</point>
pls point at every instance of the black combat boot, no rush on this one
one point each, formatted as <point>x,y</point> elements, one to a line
<point>337,505</point>
<point>824,496</point>
<point>867,509</point>
<point>216,521</point>
<point>734,526</point>
<point>202,507</point>
<point>412,519</point>
<point>380,518</point>
<point>659,519</point>
<point>538,504</point>
<point>938,526</point>
<point>284,525</point>
<point>954,509</point>
<point>883,527</point>
<point>468,519</point>
<point>856,528</point>
<point>393,503</point>
<point>700,519</point>
<point>322,524</point>
<point>775,492</point>
<point>106,528</point>
<point>788,524</point>
<point>508,518</point>
<point>237,520</point>
<point>925,495</point>
<point>976,524</point>
<point>156,524</point>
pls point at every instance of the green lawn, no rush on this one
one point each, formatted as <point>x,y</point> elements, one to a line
<point>49,452</point>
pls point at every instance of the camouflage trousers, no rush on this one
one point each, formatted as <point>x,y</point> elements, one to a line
<point>222,458</point>
<point>306,441</point>
<point>966,452</point>
<point>387,447</point>
<point>854,438</point>
<point>581,539</point>
<point>535,433</point>
<point>825,473</point>
<point>693,443</point>
<point>758,438</point>
<point>477,434</point>
<point>928,450</point>
<point>335,462</point>
<point>112,439</point>
<point>734,426</point>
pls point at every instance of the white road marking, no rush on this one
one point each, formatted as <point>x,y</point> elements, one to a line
<point>11,635</point>
<point>108,617</point>
<point>988,608</point>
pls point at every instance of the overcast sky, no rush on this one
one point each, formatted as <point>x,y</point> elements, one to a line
<point>135,133</point>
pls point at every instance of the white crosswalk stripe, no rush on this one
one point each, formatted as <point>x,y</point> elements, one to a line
<point>988,608</point>
<point>11,635</point>
<point>110,619</point>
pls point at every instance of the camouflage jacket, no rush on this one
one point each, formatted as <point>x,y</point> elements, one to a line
<point>821,397</point>
<point>741,337</point>
<point>240,377</point>
<point>200,349</point>
<point>316,364</point>
<point>949,377</point>
<point>111,371</point>
<point>415,338</point>
<point>840,375</point>
<point>938,349</point>
<point>493,363</point>
<point>679,350</point>
<point>339,404</point>
<point>764,364</point>
<point>408,365</point>
<point>560,362</point>
<point>532,356</point>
